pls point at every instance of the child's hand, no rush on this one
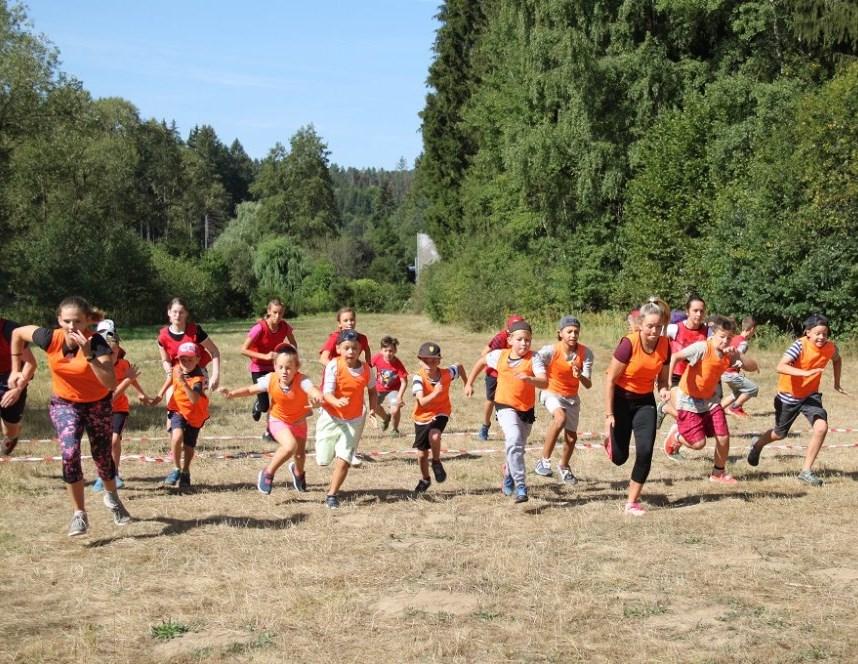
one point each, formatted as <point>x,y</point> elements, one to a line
<point>315,401</point>
<point>469,390</point>
<point>132,372</point>
<point>576,372</point>
<point>154,401</point>
<point>143,399</point>
<point>225,392</point>
<point>527,378</point>
<point>342,402</point>
<point>664,394</point>
<point>439,387</point>
<point>10,397</point>
<point>814,372</point>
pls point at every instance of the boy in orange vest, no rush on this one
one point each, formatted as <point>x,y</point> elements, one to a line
<point>699,411</point>
<point>431,389</point>
<point>800,370</point>
<point>568,365</point>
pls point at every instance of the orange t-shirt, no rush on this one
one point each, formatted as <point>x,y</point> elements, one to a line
<point>511,391</point>
<point>440,405</point>
<point>197,413</point>
<point>72,378</point>
<point>700,380</point>
<point>289,406</point>
<point>351,387</point>
<point>559,370</point>
<point>643,368</point>
<point>810,357</point>
<point>120,401</point>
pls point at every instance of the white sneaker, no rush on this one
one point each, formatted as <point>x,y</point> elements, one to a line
<point>543,467</point>
<point>121,517</point>
<point>79,524</point>
<point>356,460</point>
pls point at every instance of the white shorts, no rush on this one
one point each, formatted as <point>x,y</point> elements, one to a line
<point>337,438</point>
<point>570,405</point>
<point>389,400</point>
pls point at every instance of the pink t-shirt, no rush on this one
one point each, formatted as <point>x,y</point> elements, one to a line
<point>388,375</point>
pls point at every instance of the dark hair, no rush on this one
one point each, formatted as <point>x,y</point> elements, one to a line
<point>814,320</point>
<point>748,322</point>
<point>389,342</point>
<point>723,323</point>
<point>92,314</point>
<point>344,310</point>
<point>286,349</point>
<point>347,335</point>
<point>693,297</point>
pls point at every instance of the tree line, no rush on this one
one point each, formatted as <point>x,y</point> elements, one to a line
<point>584,155</point>
<point>96,200</point>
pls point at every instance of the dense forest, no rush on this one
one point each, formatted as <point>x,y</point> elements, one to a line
<point>585,154</point>
<point>98,201</point>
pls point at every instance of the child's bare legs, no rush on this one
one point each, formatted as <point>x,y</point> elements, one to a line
<point>635,489</point>
<point>722,453</point>
<point>287,446</point>
<point>694,445</point>
<point>488,407</point>
<point>116,450</point>
<point>76,494</point>
<point>395,416</point>
<point>571,437</point>
<point>817,437</point>
<point>300,455</point>
<point>423,460</point>
<point>338,476</point>
<point>555,426</point>
<point>668,406</point>
<point>177,438</point>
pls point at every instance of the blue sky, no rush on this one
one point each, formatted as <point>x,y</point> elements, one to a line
<point>260,69</point>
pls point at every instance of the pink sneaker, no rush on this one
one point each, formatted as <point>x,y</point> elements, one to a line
<point>635,509</point>
<point>738,412</point>
<point>723,478</point>
<point>672,445</point>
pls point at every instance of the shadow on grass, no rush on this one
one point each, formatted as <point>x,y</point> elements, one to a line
<point>376,496</point>
<point>179,526</point>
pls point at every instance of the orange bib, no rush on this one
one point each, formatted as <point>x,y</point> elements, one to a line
<point>810,357</point>
<point>72,378</point>
<point>559,371</point>
<point>701,380</point>
<point>440,405</point>
<point>290,406</point>
<point>643,368</point>
<point>352,388</point>
<point>511,391</point>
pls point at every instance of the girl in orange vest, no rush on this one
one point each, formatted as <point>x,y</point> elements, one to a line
<point>800,370</point>
<point>82,378</point>
<point>342,416</point>
<point>520,372</point>
<point>640,360</point>
<point>187,411</point>
<point>290,394</point>
<point>432,408</point>
<point>699,408</point>
<point>568,365</point>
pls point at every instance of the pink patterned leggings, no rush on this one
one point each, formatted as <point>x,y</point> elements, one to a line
<point>70,421</point>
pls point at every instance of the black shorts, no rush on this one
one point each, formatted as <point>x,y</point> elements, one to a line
<point>191,433</point>
<point>421,431</point>
<point>15,412</point>
<point>786,413</point>
<point>491,387</point>
<point>674,379</point>
<point>119,420</point>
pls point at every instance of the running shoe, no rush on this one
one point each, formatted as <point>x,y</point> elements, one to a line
<point>385,422</point>
<point>635,509</point>
<point>738,412</point>
<point>438,471</point>
<point>264,482</point>
<point>422,485</point>
<point>660,414</point>
<point>256,413</point>
<point>184,481</point>
<point>7,446</point>
<point>754,453</point>
<point>722,478</point>
<point>672,445</point>
<point>808,477</point>
<point>332,502</point>
<point>521,494</point>
<point>566,476</point>
<point>356,460</point>
<point>508,485</point>
<point>543,468</point>
<point>267,437</point>
<point>79,524</point>
<point>121,517</point>
<point>98,485</point>
<point>172,480</point>
<point>484,432</point>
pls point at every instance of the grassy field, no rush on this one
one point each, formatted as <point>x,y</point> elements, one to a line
<point>754,573</point>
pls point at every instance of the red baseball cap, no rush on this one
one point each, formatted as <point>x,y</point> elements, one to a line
<point>512,319</point>
<point>188,349</point>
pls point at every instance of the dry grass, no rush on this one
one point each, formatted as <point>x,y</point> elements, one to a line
<point>755,573</point>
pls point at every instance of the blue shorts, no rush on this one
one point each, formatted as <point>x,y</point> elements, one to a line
<point>191,434</point>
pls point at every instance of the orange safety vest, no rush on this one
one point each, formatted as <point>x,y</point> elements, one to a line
<point>288,406</point>
<point>440,405</point>
<point>511,391</point>
<point>559,370</point>
<point>195,414</point>
<point>810,357</point>
<point>700,380</point>
<point>352,388</point>
<point>120,401</point>
<point>72,378</point>
<point>643,368</point>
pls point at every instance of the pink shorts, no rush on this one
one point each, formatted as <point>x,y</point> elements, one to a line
<point>694,427</point>
<point>298,429</point>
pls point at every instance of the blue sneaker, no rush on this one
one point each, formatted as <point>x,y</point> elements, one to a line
<point>484,432</point>
<point>119,481</point>
<point>508,483</point>
<point>98,485</point>
<point>521,494</point>
<point>264,482</point>
<point>172,480</point>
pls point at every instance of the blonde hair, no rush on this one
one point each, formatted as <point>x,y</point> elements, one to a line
<point>655,304</point>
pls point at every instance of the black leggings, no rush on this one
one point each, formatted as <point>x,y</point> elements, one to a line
<point>634,415</point>
<point>261,403</point>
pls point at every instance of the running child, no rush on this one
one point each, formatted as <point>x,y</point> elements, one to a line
<point>497,342</point>
<point>568,365</point>
<point>262,340</point>
<point>743,389</point>
<point>290,395</point>
<point>520,372</point>
<point>391,381</point>
<point>187,411</point>
<point>13,399</point>
<point>126,376</point>
<point>698,402</point>
<point>431,389</point>
<point>346,320</point>
<point>640,360</point>
<point>180,331</point>
<point>342,416</point>
<point>801,369</point>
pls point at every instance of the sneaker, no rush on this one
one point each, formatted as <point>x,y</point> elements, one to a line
<point>754,453</point>
<point>98,485</point>
<point>660,414</point>
<point>256,413</point>
<point>264,482</point>
<point>484,432</point>
<point>395,432</point>
<point>79,524</point>
<point>293,473</point>
<point>808,477</point>
<point>356,460</point>
<point>121,517</point>
<point>738,412</point>
<point>521,494</point>
<point>120,483</point>
<point>7,446</point>
<point>508,485</point>
<point>267,437</point>
<point>172,480</point>
<point>438,471</point>
<point>422,485</point>
<point>635,509</point>
<point>672,445</point>
<point>608,447</point>
<point>385,422</point>
<point>184,481</point>
<point>723,478</point>
<point>566,476</point>
<point>543,468</point>
<point>332,502</point>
